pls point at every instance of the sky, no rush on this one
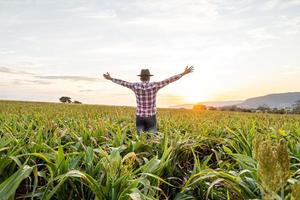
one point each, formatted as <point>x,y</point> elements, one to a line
<point>240,49</point>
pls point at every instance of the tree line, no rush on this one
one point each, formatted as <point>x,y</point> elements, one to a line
<point>294,109</point>
<point>65,99</point>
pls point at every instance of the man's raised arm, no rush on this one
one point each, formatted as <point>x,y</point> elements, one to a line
<point>118,81</point>
<point>165,82</point>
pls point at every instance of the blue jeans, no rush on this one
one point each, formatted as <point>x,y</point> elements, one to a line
<point>146,124</point>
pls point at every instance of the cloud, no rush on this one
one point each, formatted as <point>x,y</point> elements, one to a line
<point>47,77</point>
<point>86,90</point>
<point>6,70</point>
<point>70,78</point>
<point>4,84</point>
<point>39,82</point>
<point>261,34</point>
<point>103,15</point>
<point>85,11</point>
<point>268,5</point>
<point>7,52</point>
<point>288,25</point>
<point>12,71</point>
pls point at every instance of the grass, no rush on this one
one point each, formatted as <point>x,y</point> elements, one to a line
<point>58,151</point>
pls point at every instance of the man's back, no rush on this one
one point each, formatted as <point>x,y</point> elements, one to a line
<point>145,93</point>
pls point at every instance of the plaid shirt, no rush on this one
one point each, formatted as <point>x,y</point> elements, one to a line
<point>145,93</point>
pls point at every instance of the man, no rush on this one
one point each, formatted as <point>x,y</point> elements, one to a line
<point>145,93</point>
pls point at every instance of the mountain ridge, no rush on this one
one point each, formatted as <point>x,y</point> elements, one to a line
<point>273,100</point>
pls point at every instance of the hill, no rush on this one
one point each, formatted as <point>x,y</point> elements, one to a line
<point>280,100</point>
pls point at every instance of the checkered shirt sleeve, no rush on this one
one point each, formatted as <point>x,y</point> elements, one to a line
<point>123,83</point>
<point>165,82</point>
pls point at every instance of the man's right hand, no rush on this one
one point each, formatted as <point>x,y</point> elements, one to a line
<point>107,76</point>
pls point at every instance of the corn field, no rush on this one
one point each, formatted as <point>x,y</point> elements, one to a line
<point>59,151</point>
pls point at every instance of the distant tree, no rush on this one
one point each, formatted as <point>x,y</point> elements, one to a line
<point>199,107</point>
<point>229,108</point>
<point>281,111</point>
<point>278,111</point>
<point>211,108</point>
<point>296,107</point>
<point>246,110</point>
<point>263,108</point>
<point>65,99</point>
<point>233,108</point>
<point>77,102</point>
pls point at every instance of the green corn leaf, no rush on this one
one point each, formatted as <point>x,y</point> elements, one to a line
<point>10,185</point>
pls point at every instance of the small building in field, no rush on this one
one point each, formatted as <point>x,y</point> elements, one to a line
<point>199,107</point>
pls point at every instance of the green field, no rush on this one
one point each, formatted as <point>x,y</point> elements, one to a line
<point>57,151</point>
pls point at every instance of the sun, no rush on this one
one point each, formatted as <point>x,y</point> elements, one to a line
<point>194,97</point>
<point>194,90</point>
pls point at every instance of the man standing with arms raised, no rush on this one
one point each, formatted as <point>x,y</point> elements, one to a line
<point>145,92</point>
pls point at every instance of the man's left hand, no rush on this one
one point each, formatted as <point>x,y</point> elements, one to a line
<point>188,70</point>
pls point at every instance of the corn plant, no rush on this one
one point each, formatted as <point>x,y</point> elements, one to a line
<point>59,151</point>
